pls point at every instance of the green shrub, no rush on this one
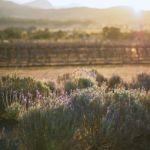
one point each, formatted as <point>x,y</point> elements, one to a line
<point>26,84</point>
<point>69,86</point>
<point>114,81</point>
<point>91,117</point>
<point>111,33</point>
<point>88,106</point>
<point>100,79</point>
<point>12,112</point>
<point>8,103</point>
<point>142,81</point>
<point>15,89</point>
<point>33,126</point>
<point>11,33</point>
<point>125,122</point>
<point>51,86</point>
<point>113,120</point>
<point>40,35</point>
<point>83,83</point>
<point>47,129</point>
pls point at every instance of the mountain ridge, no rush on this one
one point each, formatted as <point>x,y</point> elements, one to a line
<point>41,4</point>
<point>103,17</point>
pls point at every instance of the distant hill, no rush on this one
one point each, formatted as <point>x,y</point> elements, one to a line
<point>41,4</point>
<point>103,17</point>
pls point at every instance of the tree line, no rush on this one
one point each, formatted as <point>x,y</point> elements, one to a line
<point>107,33</point>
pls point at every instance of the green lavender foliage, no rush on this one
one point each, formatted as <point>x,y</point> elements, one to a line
<point>84,83</point>
<point>92,119</point>
<point>114,81</point>
<point>47,129</point>
<point>126,122</point>
<point>25,84</point>
<point>69,86</point>
<point>105,117</point>
<point>12,88</point>
<point>100,79</point>
<point>141,81</point>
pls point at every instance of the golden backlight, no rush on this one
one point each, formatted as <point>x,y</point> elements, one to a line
<point>136,9</point>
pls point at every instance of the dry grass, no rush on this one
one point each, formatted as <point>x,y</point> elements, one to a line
<point>51,73</point>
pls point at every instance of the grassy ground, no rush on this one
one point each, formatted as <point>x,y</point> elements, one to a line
<point>50,73</point>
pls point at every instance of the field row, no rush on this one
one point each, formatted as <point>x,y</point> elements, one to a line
<point>55,54</point>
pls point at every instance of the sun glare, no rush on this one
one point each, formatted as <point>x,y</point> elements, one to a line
<point>136,9</point>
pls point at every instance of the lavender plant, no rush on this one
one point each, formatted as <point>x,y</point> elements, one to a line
<point>87,118</point>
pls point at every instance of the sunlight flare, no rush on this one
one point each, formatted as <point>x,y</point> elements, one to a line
<point>136,9</point>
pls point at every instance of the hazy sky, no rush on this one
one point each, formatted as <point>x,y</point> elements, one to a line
<point>136,4</point>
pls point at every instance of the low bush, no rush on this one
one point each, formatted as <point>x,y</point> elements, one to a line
<point>9,107</point>
<point>69,86</point>
<point>126,122</point>
<point>100,79</point>
<point>15,91</point>
<point>114,81</point>
<point>25,85</point>
<point>51,86</point>
<point>13,88</point>
<point>13,111</point>
<point>142,81</point>
<point>83,83</point>
<point>50,129</point>
<point>89,118</point>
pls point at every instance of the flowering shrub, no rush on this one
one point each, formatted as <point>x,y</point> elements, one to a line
<point>83,83</point>
<point>90,118</point>
<point>23,85</point>
<point>114,81</point>
<point>69,87</point>
<point>142,81</point>
<point>20,90</point>
<point>100,79</point>
<point>12,112</point>
<point>47,129</point>
<point>51,86</point>
<point>84,117</point>
<point>126,122</point>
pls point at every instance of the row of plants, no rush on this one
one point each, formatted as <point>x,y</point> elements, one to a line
<point>26,91</point>
<point>106,33</point>
<point>80,111</point>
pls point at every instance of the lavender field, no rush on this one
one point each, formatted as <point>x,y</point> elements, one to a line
<point>82,110</point>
